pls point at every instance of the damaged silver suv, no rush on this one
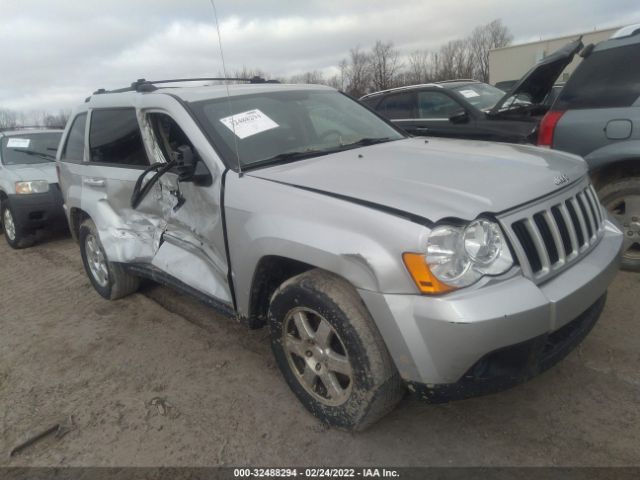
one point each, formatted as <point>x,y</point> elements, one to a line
<point>378,261</point>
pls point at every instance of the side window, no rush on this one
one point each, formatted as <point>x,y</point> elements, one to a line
<point>605,79</point>
<point>436,105</point>
<point>114,138</point>
<point>397,107</point>
<point>73,151</point>
<point>169,136</point>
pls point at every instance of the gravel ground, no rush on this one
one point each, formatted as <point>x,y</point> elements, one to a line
<point>158,379</point>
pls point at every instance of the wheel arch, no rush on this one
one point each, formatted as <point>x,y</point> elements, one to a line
<point>271,271</point>
<point>614,161</point>
<point>76,217</point>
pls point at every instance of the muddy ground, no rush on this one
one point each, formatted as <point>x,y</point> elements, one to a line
<point>159,379</point>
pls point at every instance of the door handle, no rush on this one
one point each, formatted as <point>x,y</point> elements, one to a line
<point>422,129</point>
<point>94,182</point>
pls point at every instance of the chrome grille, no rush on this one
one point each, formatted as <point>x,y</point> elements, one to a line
<point>552,234</point>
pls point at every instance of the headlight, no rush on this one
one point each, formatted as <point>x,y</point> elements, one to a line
<point>35,186</point>
<point>457,257</point>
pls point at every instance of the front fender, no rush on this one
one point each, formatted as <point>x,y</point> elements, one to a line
<point>358,243</point>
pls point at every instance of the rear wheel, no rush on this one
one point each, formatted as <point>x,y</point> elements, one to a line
<point>330,352</point>
<point>622,199</point>
<point>13,233</point>
<point>109,279</point>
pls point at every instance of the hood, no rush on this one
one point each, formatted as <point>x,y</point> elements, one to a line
<point>434,180</point>
<point>36,171</point>
<point>538,81</point>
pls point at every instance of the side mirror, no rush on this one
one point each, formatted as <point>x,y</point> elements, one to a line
<point>459,117</point>
<point>190,167</point>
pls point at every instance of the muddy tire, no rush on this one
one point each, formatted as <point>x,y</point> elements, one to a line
<point>13,232</point>
<point>622,198</point>
<point>330,351</point>
<point>109,279</point>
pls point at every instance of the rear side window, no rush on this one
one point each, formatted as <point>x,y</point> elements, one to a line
<point>74,148</point>
<point>606,79</point>
<point>397,107</point>
<point>114,138</point>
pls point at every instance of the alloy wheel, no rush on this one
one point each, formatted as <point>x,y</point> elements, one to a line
<point>96,260</point>
<point>627,211</point>
<point>318,357</point>
<point>9,225</point>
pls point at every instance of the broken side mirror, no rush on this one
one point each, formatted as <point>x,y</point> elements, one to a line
<point>190,168</point>
<point>459,117</point>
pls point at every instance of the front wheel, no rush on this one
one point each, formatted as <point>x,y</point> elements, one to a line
<point>13,233</point>
<point>622,199</point>
<point>330,352</point>
<point>109,279</point>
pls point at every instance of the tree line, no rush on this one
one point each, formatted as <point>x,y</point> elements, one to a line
<point>380,67</point>
<point>36,118</point>
<point>383,65</point>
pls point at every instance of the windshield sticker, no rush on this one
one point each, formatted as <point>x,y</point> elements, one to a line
<point>469,93</point>
<point>248,123</point>
<point>18,143</point>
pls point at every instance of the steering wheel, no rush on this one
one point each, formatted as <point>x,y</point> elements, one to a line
<point>328,133</point>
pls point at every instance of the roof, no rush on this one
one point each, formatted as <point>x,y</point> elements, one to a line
<point>440,84</point>
<point>551,39</point>
<point>196,93</point>
<point>28,130</point>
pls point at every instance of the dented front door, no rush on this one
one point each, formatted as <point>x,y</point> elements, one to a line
<point>116,159</point>
<point>192,248</point>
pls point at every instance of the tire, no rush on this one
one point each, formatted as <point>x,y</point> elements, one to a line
<point>13,232</point>
<point>109,279</point>
<point>622,198</point>
<point>339,366</point>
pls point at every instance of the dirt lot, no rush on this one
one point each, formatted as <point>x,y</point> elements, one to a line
<point>159,379</point>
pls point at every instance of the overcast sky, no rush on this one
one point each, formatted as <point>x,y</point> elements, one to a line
<point>56,52</point>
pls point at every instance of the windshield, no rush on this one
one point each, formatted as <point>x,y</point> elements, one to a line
<point>279,126</point>
<point>480,95</point>
<point>30,148</point>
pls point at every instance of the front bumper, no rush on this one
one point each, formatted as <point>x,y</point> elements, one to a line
<point>38,210</point>
<point>437,341</point>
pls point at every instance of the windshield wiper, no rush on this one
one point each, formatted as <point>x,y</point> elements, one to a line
<point>363,142</point>
<point>302,154</point>
<point>46,156</point>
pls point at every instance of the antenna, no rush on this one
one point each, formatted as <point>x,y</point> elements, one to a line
<point>224,70</point>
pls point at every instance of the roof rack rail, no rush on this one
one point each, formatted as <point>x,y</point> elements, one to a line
<point>143,85</point>
<point>31,127</point>
<point>459,80</point>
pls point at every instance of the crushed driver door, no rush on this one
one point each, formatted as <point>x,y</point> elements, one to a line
<point>192,248</point>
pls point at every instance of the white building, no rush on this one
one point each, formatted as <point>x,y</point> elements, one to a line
<point>510,63</point>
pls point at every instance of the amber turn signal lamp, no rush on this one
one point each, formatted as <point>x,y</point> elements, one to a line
<point>425,280</point>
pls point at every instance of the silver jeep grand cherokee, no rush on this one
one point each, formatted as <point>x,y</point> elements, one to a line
<point>378,261</point>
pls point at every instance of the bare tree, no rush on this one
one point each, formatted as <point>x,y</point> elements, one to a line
<point>358,72</point>
<point>485,38</point>
<point>384,65</point>
<point>420,67</point>
<point>58,120</point>
<point>8,118</point>
<point>455,60</point>
<point>314,77</point>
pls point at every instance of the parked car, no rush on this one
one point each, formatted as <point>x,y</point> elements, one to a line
<point>378,261</point>
<point>475,110</point>
<point>597,116</point>
<point>30,197</point>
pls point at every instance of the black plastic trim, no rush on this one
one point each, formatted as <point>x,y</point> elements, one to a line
<point>157,275</point>
<point>514,364</point>
<point>223,214</point>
